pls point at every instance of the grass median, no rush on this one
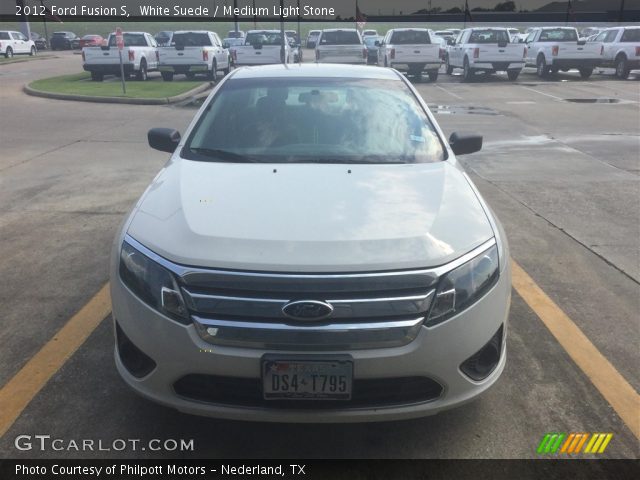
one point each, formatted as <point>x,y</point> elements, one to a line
<point>81,84</point>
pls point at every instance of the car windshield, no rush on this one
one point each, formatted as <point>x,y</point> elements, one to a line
<point>314,120</point>
<point>264,38</point>
<point>191,39</point>
<point>558,35</point>
<point>371,41</point>
<point>489,36</point>
<point>340,37</point>
<point>410,37</point>
<point>130,40</point>
<point>631,35</point>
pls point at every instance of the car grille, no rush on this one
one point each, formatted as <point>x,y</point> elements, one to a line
<point>367,392</point>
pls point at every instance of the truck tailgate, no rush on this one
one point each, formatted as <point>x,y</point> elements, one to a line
<point>512,52</point>
<point>95,55</point>
<point>248,55</point>
<point>571,50</point>
<point>419,53</point>
<point>186,56</point>
<point>346,52</point>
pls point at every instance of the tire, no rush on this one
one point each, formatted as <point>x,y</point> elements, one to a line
<point>541,67</point>
<point>447,66</point>
<point>622,68</point>
<point>32,52</point>
<point>8,53</point>
<point>513,74</point>
<point>167,76</point>
<point>142,74</point>
<point>190,75</point>
<point>433,75</point>
<point>97,76</point>
<point>585,73</point>
<point>228,69</point>
<point>467,73</point>
<point>213,74</point>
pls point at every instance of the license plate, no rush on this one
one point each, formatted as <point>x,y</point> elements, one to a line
<point>307,379</point>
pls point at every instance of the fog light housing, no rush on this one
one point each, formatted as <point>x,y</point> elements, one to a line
<point>480,365</point>
<point>137,363</point>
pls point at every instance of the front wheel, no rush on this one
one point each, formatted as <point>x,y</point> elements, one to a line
<point>167,76</point>
<point>97,76</point>
<point>448,67</point>
<point>622,70</point>
<point>513,74</point>
<point>8,53</point>
<point>585,73</point>
<point>541,67</point>
<point>33,51</point>
<point>142,74</point>
<point>433,75</point>
<point>213,74</point>
<point>467,73</point>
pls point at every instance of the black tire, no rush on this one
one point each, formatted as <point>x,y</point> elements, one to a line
<point>213,74</point>
<point>32,52</point>
<point>622,68</point>
<point>447,66</point>
<point>190,75</point>
<point>142,74</point>
<point>433,75</point>
<point>167,76</point>
<point>541,67</point>
<point>228,69</point>
<point>585,72</point>
<point>8,53</point>
<point>513,74</point>
<point>385,62</point>
<point>467,72</point>
<point>97,76</point>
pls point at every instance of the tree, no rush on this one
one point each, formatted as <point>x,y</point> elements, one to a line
<point>506,7</point>
<point>454,10</point>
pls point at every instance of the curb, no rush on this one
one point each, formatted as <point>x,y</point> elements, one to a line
<point>132,101</point>
<point>28,58</point>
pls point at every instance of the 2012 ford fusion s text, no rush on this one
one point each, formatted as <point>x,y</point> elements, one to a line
<point>312,252</point>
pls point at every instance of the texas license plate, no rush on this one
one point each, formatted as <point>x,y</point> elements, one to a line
<point>307,379</point>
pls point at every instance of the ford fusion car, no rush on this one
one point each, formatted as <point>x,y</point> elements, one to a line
<point>311,252</point>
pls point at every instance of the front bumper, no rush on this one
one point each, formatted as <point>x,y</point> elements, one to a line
<point>436,353</point>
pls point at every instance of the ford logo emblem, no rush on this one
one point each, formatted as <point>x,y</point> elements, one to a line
<point>307,310</point>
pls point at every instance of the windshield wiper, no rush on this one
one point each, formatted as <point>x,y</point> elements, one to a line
<point>224,155</point>
<point>346,161</point>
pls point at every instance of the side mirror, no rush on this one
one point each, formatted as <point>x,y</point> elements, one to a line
<point>582,42</point>
<point>225,45</point>
<point>163,139</point>
<point>451,41</point>
<point>461,144</point>
<point>377,43</point>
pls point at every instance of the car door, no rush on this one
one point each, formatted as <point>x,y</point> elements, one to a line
<point>609,43</point>
<point>221,54</point>
<point>531,53</point>
<point>150,52</point>
<point>456,50</point>
<point>19,43</point>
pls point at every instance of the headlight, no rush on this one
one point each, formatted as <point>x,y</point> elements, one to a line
<point>154,284</point>
<point>462,286</point>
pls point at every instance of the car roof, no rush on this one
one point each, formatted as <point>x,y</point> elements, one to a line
<point>263,31</point>
<point>315,70</point>
<point>339,30</point>
<point>409,29</point>
<point>192,31</point>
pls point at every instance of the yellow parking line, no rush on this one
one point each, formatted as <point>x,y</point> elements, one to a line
<point>611,384</point>
<point>20,390</point>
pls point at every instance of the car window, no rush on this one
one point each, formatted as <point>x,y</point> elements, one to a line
<point>340,37</point>
<point>130,40</point>
<point>530,37</point>
<point>631,35</point>
<point>264,38</point>
<point>489,36</point>
<point>313,120</point>
<point>610,36</point>
<point>558,35</point>
<point>410,37</point>
<point>600,37</point>
<point>191,39</point>
<point>4,36</point>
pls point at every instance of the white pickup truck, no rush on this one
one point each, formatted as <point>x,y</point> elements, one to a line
<point>551,49</point>
<point>139,56</point>
<point>620,49</point>
<point>262,47</point>
<point>485,49</point>
<point>412,50</point>
<point>341,45</point>
<point>192,52</point>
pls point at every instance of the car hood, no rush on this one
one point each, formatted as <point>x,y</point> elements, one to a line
<point>310,217</point>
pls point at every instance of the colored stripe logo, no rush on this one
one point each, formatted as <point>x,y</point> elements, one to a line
<point>573,443</point>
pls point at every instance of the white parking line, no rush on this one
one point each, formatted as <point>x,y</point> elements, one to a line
<point>542,93</point>
<point>450,93</point>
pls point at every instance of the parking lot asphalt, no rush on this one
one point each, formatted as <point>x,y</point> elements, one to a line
<point>562,175</point>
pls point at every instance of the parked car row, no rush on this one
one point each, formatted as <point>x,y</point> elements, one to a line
<point>482,49</point>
